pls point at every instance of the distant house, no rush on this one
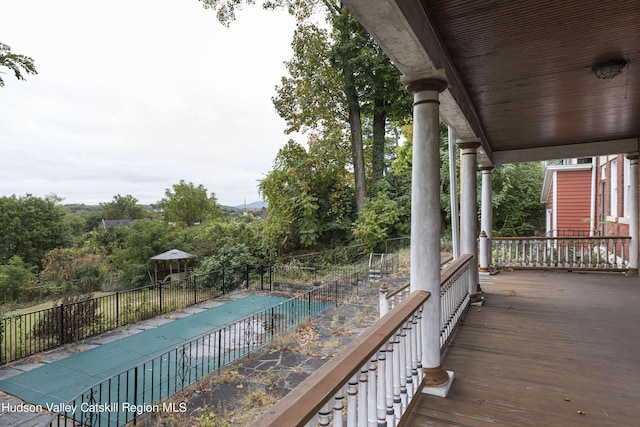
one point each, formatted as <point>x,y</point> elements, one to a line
<point>569,193</point>
<point>590,197</point>
<point>613,183</point>
<point>108,223</point>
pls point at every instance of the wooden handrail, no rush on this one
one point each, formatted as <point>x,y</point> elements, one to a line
<point>453,267</point>
<point>296,409</point>
<point>444,275</point>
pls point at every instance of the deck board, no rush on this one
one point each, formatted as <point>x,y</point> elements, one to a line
<point>544,346</point>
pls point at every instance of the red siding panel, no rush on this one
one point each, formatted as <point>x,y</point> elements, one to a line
<point>574,199</point>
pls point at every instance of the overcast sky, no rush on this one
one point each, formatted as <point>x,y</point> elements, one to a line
<point>132,96</point>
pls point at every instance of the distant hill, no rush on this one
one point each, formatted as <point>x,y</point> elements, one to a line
<point>253,205</point>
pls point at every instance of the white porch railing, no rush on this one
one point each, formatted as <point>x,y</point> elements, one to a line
<point>373,381</point>
<point>454,295</point>
<point>390,300</point>
<point>608,253</point>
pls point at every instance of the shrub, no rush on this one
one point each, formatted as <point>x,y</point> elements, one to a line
<point>75,318</point>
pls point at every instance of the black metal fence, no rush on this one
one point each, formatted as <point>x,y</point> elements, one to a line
<point>78,318</point>
<point>124,397</point>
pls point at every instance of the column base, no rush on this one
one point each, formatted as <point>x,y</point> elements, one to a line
<point>435,376</point>
<point>490,272</point>
<point>476,299</point>
<point>631,272</point>
<point>439,390</point>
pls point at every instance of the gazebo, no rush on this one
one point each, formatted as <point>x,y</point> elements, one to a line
<point>171,256</point>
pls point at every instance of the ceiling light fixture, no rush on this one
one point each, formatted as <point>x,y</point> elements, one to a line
<point>610,69</point>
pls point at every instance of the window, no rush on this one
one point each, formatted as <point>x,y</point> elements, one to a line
<point>626,186</point>
<point>613,189</point>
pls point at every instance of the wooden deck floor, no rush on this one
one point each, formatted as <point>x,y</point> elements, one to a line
<point>546,349</point>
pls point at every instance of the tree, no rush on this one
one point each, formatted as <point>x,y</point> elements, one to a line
<point>16,63</point>
<point>517,210</point>
<point>14,277</point>
<point>145,239</point>
<point>385,101</point>
<point>188,205</point>
<point>86,271</point>
<point>123,207</point>
<point>345,53</point>
<point>377,220</point>
<point>324,84</point>
<point>30,227</point>
<point>309,195</point>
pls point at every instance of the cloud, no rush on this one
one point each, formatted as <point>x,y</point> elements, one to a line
<point>132,96</point>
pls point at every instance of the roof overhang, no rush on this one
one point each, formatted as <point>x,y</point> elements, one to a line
<point>549,171</point>
<point>519,72</point>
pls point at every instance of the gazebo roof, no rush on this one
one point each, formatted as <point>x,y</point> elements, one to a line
<point>173,254</point>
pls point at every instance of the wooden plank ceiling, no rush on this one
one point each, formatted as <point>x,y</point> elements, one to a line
<point>520,70</point>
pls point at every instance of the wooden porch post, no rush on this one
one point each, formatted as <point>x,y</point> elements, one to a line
<point>633,214</point>
<point>486,219</point>
<point>469,212</point>
<point>425,213</point>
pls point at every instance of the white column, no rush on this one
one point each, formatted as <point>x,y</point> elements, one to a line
<point>425,213</point>
<point>633,213</point>
<point>453,187</point>
<point>469,211</point>
<point>486,219</point>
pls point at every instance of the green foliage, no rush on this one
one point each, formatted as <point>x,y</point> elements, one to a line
<point>14,277</point>
<point>308,195</point>
<point>16,63</point>
<point>123,207</point>
<point>230,255</point>
<point>78,270</point>
<point>307,99</point>
<point>517,210</point>
<point>378,218</point>
<point>30,227</point>
<point>188,205</point>
<point>144,239</point>
<point>80,314</point>
<point>88,273</point>
<point>208,418</point>
<point>209,238</point>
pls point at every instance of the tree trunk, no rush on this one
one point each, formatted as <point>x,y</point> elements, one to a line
<point>355,124</point>
<point>379,142</point>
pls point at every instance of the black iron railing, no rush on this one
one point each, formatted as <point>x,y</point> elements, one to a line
<point>26,334</point>
<point>124,397</point>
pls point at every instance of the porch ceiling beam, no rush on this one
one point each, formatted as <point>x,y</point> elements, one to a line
<point>401,41</point>
<point>570,151</point>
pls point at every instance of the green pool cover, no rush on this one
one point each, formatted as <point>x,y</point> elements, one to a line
<point>60,381</point>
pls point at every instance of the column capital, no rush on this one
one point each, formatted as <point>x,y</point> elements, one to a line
<point>434,80</point>
<point>468,144</point>
<point>632,156</point>
<point>487,168</point>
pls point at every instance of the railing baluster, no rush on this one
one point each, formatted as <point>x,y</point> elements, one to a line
<point>399,397</point>
<point>362,396</point>
<point>324,419</point>
<point>403,367</point>
<point>352,401</point>
<point>372,392</point>
<point>408,363</point>
<point>571,253</point>
<point>338,406</point>
<point>389,384</point>
<point>381,387</point>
